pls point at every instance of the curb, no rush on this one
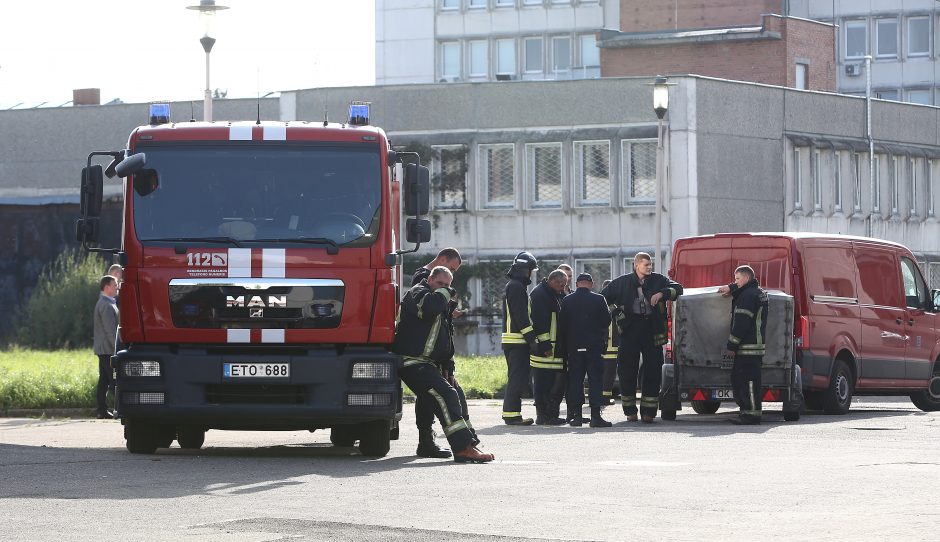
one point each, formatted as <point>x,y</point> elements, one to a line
<point>48,413</point>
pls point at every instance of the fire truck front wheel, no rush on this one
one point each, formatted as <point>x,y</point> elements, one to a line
<point>342,435</point>
<point>375,438</point>
<point>141,437</point>
<point>190,438</point>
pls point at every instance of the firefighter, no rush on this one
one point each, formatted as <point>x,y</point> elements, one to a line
<point>518,338</point>
<point>545,361</point>
<point>424,340</point>
<point>642,297</point>
<point>582,331</point>
<point>749,304</point>
<point>610,355</point>
<point>424,411</point>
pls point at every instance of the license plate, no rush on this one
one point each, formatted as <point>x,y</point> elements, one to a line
<point>256,370</point>
<point>722,394</point>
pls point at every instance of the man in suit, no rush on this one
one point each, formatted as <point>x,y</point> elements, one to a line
<point>582,330</point>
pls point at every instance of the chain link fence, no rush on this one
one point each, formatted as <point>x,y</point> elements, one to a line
<point>543,169</point>
<point>592,172</point>
<point>498,170</point>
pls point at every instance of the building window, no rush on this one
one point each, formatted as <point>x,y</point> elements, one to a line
<point>887,95</point>
<point>478,59</point>
<point>497,166</point>
<point>590,53</point>
<point>599,268</point>
<point>449,176</point>
<point>876,197</point>
<point>817,183</point>
<point>857,192</point>
<point>450,4</point>
<point>919,97</point>
<point>493,286</point>
<point>543,173</point>
<point>886,36</point>
<point>797,179</point>
<point>837,180</point>
<point>928,186</point>
<point>856,39</point>
<point>505,3</point>
<point>638,175</point>
<point>477,4</point>
<point>506,57</point>
<point>895,184</point>
<point>561,54</point>
<point>592,172</point>
<point>450,59</point>
<point>801,80</point>
<point>533,55</point>
<point>532,2</point>
<point>912,186</point>
<point>918,36</point>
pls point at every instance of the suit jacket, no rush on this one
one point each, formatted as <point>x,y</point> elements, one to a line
<point>583,322</point>
<point>106,324</point>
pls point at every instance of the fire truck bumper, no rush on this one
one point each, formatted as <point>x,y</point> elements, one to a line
<point>256,388</point>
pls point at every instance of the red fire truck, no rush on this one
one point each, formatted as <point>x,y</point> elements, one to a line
<point>262,271</point>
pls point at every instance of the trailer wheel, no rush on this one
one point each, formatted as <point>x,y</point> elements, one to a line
<point>837,398</point>
<point>141,437</point>
<point>791,416</point>
<point>375,438</point>
<point>929,399</point>
<point>342,435</point>
<point>668,415</point>
<point>190,438</point>
<point>706,407</point>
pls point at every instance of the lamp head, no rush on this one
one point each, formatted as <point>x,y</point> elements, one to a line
<point>660,97</point>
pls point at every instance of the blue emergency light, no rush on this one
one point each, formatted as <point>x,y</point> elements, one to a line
<point>159,113</point>
<point>359,113</point>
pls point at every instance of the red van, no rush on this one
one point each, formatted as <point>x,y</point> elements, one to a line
<point>865,322</point>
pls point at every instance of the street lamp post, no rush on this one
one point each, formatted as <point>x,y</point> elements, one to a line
<point>660,107</point>
<point>207,10</point>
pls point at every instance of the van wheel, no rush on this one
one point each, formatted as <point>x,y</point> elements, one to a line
<point>342,435</point>
<point>190,438</point>
<point>375,440</point>
<point>837,398</point>
<point>706,407</point>
<point>929,399</point>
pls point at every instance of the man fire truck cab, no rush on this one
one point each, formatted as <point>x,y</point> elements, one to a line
<point>262,271</point>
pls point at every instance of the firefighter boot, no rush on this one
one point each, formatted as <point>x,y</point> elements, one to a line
<point>596,420</point>
<point>428,448</point>
<point>471,454</point>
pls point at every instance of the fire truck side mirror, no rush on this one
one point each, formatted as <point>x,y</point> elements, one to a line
<point>131,165</point>
<point>417,190</point>
<point>417,230</point>
<point>86,231</point>
<point>91,191</point>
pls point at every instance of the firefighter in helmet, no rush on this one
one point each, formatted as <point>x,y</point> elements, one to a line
<point>519,337</point>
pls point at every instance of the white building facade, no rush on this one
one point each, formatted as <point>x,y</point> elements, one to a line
<point>445,41</point>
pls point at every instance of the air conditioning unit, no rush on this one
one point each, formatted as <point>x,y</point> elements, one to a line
<point>853,70</point>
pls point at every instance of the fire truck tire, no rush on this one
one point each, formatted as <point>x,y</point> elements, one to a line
<point>190,438</point>
<point>164,435</point>
<point>668,415</point>
<point>375,438</point>
<point>342,435</point>
<point>141,437</point>
<point>706,407</point>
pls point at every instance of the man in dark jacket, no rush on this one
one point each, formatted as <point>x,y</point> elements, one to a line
<point>546,364</point>
<point>582,338</point>
<point>519,337</point>
<point>641,297</point>
<point>106,318</point>
<point>424,410</point>
<point>749,305</point>
<point>424,340</point>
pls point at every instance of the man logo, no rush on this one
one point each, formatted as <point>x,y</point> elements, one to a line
<point>256,301</point>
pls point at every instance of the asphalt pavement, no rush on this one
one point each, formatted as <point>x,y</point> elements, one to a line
<point>869,475</point>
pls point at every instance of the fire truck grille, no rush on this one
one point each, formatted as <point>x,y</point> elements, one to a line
<point>255,394</point>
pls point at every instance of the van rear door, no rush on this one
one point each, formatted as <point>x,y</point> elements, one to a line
<point>882,313</point>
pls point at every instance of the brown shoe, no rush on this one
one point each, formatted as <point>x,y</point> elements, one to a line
<point>471,454</point>
<point>632,418</point>
<point>647,419</point>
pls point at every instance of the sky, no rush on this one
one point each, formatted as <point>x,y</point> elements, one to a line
<point>141,51</point>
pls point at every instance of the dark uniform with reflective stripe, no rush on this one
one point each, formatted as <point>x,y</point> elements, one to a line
<point>610,355</point>
<point>642,331</point>
<point>749,305</point>
<point>545,362</point>
<point>582,339</point>
<point>518,337</point>
<point>424,338</point>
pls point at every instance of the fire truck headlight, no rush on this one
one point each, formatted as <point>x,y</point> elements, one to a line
<point>372,370</point>
<point>141,368</point>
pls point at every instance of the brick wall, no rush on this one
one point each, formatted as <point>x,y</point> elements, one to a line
<point>646,15</point>
<point>815,43</point>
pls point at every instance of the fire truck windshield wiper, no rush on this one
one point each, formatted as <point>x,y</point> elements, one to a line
<point>333,247</point>
<point>229,240</point>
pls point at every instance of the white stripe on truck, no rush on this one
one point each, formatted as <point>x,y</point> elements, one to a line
<point>273,262</point>
<point>239,262</point>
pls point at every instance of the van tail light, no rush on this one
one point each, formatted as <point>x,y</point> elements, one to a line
<point>802,339</point>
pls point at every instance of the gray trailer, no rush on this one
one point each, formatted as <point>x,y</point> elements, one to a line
<point>700,372</point>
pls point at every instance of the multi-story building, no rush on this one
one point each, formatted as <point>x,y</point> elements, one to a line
<point>900,36</point>
<point>434,41</point>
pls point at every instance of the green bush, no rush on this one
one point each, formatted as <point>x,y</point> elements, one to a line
<point>59,312</point>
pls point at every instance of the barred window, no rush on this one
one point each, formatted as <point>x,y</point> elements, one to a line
<point>797,179</point>
<point>912,186</point>
<point>895,184</point>
<point>857,192</point>
<point>928,186</point>
<point>876,197</point>
<point>933,271</point>
<point>493,286</point>
<point>543,173</point>
<point>817,182</point>
<point>638,159</point>
<point>449,176</point>
<point>497,167</point>
<point>599,268</point>
<point>837,179</point>
<point>592,172</point>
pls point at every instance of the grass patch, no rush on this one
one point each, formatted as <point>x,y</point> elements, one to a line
<point>482,377</point>
<point>47,379</point>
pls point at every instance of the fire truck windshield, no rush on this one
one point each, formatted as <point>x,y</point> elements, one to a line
<point>259,193</point>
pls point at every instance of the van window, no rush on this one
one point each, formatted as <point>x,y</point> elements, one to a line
<point>771,265</point>
<point>915,290</point>
<point>700,268</point>
<point>878,282</point>
<point>829,271</point>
